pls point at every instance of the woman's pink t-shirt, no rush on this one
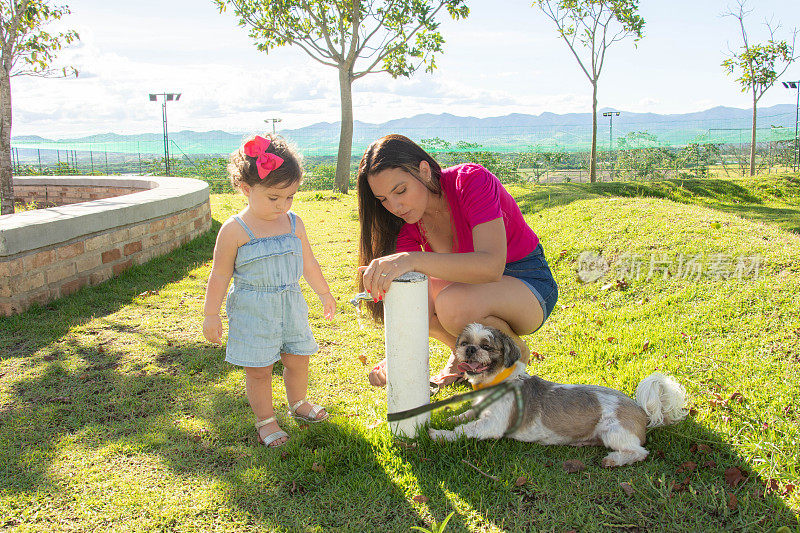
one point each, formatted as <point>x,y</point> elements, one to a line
<point>475,196</point>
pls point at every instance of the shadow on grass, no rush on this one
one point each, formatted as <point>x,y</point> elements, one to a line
<point>25,333</point>
<point>684,485</point>
<point>328,475</point>
<point>331,476</point>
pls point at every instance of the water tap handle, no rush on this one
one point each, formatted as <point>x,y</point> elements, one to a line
<point>357,299</point>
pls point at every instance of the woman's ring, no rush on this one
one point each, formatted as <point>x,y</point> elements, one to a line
<point>384,274</point>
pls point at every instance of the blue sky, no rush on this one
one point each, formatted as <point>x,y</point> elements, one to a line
<point>504,58</point>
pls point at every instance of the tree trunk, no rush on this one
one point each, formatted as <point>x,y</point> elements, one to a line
<point>753,140</point>
<point>346,133</point>
<point>593,157</point>
<point>6,182</point>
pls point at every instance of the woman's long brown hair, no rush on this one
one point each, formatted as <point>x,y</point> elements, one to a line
<point>379,227</point>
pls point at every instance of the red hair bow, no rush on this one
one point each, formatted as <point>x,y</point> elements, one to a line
<point>265,161</point>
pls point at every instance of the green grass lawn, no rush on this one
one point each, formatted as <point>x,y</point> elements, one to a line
<point>115,414</point>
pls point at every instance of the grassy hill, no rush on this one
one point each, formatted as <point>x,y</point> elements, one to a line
<point>114,413</point>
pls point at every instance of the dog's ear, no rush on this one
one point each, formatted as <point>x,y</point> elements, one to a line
<point>511,353</point>
<point>460,337</point>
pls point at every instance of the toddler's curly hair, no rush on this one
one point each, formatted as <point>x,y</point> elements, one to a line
<point>242,168</point>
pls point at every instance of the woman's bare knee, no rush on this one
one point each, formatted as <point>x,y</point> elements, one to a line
<point>453,310</point>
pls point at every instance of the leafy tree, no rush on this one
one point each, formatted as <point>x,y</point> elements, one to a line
<point>27,50</point>
<point>357,37</point>
<point>642,156</point>
<point>696,158</point>
<point>591,27</point>
<point>759,65</point>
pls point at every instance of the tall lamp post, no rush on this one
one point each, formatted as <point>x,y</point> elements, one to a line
<point>610,115</point>
<point>795,85</point>
<point>168,97</point>
<point>273,120</point>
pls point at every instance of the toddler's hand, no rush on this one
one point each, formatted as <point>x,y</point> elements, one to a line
<point>328,305</point>
<point>212,329</point>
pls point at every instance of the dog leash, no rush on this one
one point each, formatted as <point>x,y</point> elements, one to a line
<point>491,395</point>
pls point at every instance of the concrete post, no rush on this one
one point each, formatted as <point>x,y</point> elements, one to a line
<point>406,337</point>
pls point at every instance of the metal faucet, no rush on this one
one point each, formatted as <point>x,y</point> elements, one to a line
<point>357,299</point>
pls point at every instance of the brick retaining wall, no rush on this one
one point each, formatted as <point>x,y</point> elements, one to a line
<point>50,253</point>
<point>57,195</point>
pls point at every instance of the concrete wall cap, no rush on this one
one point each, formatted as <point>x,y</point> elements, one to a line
<point>133,182</point>
<point>31,230</point>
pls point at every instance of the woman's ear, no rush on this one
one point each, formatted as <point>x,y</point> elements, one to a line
<point>425,170</point>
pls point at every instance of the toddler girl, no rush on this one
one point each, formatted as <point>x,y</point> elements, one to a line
<point>265,249</point>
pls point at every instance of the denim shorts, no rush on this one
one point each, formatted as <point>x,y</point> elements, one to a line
<point>533,271</point>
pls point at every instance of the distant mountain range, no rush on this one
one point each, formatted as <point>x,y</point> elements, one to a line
<point>571,131</point>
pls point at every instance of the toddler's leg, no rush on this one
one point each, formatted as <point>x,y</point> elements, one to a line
<point>258,382</point>
<point>295,378</point>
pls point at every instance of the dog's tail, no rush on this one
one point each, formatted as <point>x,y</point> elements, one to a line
<point>662,398</point>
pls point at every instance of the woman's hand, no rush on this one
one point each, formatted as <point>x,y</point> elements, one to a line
<point>328,305</point>
<point>380,273</point>
<point>212,329</point>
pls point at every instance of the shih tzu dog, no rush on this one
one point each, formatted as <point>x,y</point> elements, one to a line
<point>579,415</point>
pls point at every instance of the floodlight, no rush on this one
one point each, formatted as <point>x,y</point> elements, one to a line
<point>168,97</point>
<point>795,85</point>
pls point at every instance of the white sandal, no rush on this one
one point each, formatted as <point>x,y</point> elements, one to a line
<point>272,437</point>
<point>312,414</point>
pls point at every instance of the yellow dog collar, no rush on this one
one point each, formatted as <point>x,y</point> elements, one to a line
<point>498,379</point>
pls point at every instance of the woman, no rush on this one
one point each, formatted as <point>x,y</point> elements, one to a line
<point>461,228</point>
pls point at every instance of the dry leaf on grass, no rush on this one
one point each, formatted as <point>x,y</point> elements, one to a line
<point>717,401</point>
<point>573,465</point>
<point>363,359</point>
<point>733,476</point>
<point>680,487</point>
<point>733,503</point>
<point>688,466</point>
<point>737,397</point>
<point>316,467</point>
<point>420,498</point>
<point>627,488</point>
<point>521,481</point>
<point>700,448</point>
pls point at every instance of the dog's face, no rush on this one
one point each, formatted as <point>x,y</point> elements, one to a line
<point>482,352</point>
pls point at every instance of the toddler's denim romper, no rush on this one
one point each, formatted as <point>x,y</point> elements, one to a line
<point>267,314</point>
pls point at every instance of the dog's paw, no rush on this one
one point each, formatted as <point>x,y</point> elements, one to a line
<point>609,462</point>
<point>443,435</point>
<point>463,417</point>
